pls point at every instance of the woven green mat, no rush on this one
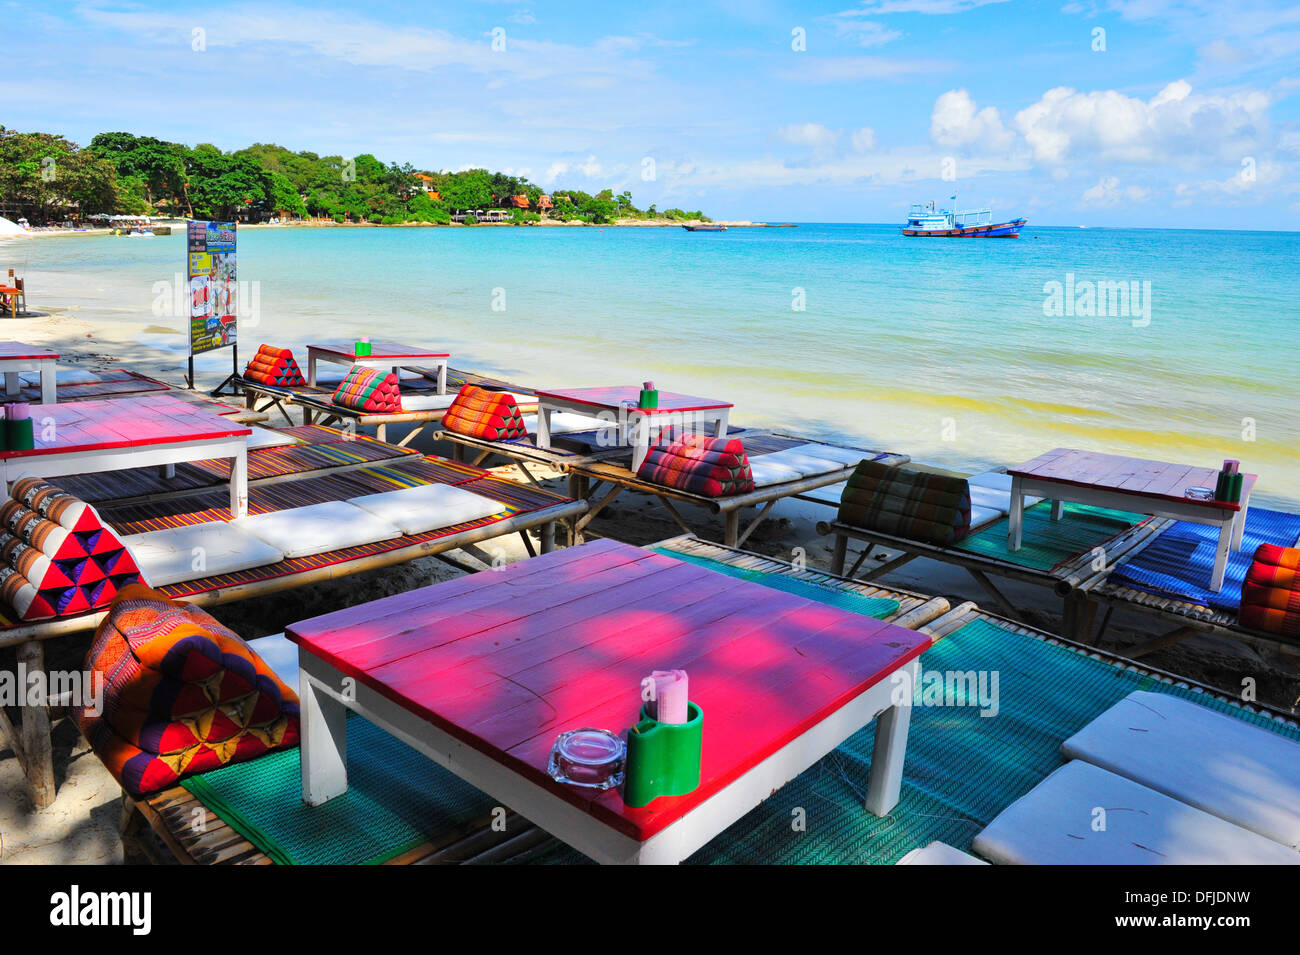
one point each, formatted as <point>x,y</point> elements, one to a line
<point>962,769</point>
<point>1045,543</point>
<point>878,607</point>
<point>396,799</point>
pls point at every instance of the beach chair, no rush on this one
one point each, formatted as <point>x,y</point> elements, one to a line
<point>13,298</point>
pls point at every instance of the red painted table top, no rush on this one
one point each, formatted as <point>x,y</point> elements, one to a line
<point>505,660</point>
<point>1137,476</point>
<point>123,423</point>
<point>615,398</point>
<point>20,350</point>
<point>381,349</point>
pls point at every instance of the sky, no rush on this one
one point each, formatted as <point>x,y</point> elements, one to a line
<point>1121,113</point>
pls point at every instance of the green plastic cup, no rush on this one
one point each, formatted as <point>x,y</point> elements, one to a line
<point>663,759</point>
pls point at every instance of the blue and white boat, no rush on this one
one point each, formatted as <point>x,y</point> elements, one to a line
<point>925,219</point>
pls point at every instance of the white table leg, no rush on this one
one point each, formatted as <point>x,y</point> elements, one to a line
<point>442,378</point>
<point>640,439</point>
<point>324,743</point>
<point>49,384</point>
<point>1058,509</point>
<point>1239,523</point>
<point>889,752</point>
<point>167,471</point>
<point>720,426</point>
<point>543,426</point>
<point>12,384</point>
<point>1221,556</point>
<point>239,484</point>
<point>1015,519</point>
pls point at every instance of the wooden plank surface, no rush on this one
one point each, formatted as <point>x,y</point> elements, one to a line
<point>123,423</point>
<point>1137,476</point>
<point>507,659</point>
<point>381,349</point>
<point>618,396</point>
<point>21,350</point>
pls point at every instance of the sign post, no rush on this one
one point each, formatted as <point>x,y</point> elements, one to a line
<point>213,292</point>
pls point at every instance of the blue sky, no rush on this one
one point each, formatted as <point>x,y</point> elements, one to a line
<point>1175,114</point>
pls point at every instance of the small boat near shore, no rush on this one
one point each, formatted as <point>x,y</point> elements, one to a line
<point>925,220</point>
<point>705,227</point>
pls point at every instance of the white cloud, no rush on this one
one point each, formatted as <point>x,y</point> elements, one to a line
<point>1174,125</point>
<point>956,122</point>
<point>853,24</point>
<point>931,7</point>
<point>1107,192</point>
<point>863,140</point>
<point>847,69</point>
<point>816,137</point>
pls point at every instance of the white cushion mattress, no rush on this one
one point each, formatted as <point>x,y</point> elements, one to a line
<point>993,489</point>
<point>1223,765</point>
<point>939,853</point>
<point>850,457</point>
<point>428,507</point>
<point>566,422</point>
<point>317,528</point>
<point>177,554</point>
<point>767,471</point>
<point>979,516</point>
<point>1056,823</point>
<point>267,438</point>
<point>281,655</point>
<point>427,402</point>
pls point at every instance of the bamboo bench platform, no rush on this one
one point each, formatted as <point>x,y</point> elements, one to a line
<point>315,402</point>
<point>527,508</point>
<point>1189,618</point>
<point>172,813</point>
<point>1070,580</point>
<point>600,481</point>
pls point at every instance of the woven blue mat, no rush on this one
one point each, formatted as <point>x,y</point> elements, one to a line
<point>1179,562</point>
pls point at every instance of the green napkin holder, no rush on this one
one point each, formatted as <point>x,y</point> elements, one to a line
<point>361,349</point>
<point>19,435</point>
<point>663,759</point>
<point>1229,487</point>
<point>649,398</point>
<point>1221,486</point>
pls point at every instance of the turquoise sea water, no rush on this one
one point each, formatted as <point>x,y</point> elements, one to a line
<point>937,348</point>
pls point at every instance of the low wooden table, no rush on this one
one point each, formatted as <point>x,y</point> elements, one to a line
<point>1129,484</point>
<point>81,437</point>
<point>634,424</point>
<point>388,356</point>
<point>17,357</point>
<point>481,673</point>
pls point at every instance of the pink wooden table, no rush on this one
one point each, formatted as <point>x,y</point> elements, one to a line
<point>1129,484</point>
<point>383,355</point>
<point>618,405</point>
<point>17,357</point>
<point>81,437</point>
<point>480,674</point>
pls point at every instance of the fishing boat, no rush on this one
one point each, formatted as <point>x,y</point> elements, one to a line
<point>705,227</point>
<point>925,219</point>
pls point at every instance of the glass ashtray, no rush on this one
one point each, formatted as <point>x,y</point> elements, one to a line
<point>1199,493</point>
<point>587,757</point>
